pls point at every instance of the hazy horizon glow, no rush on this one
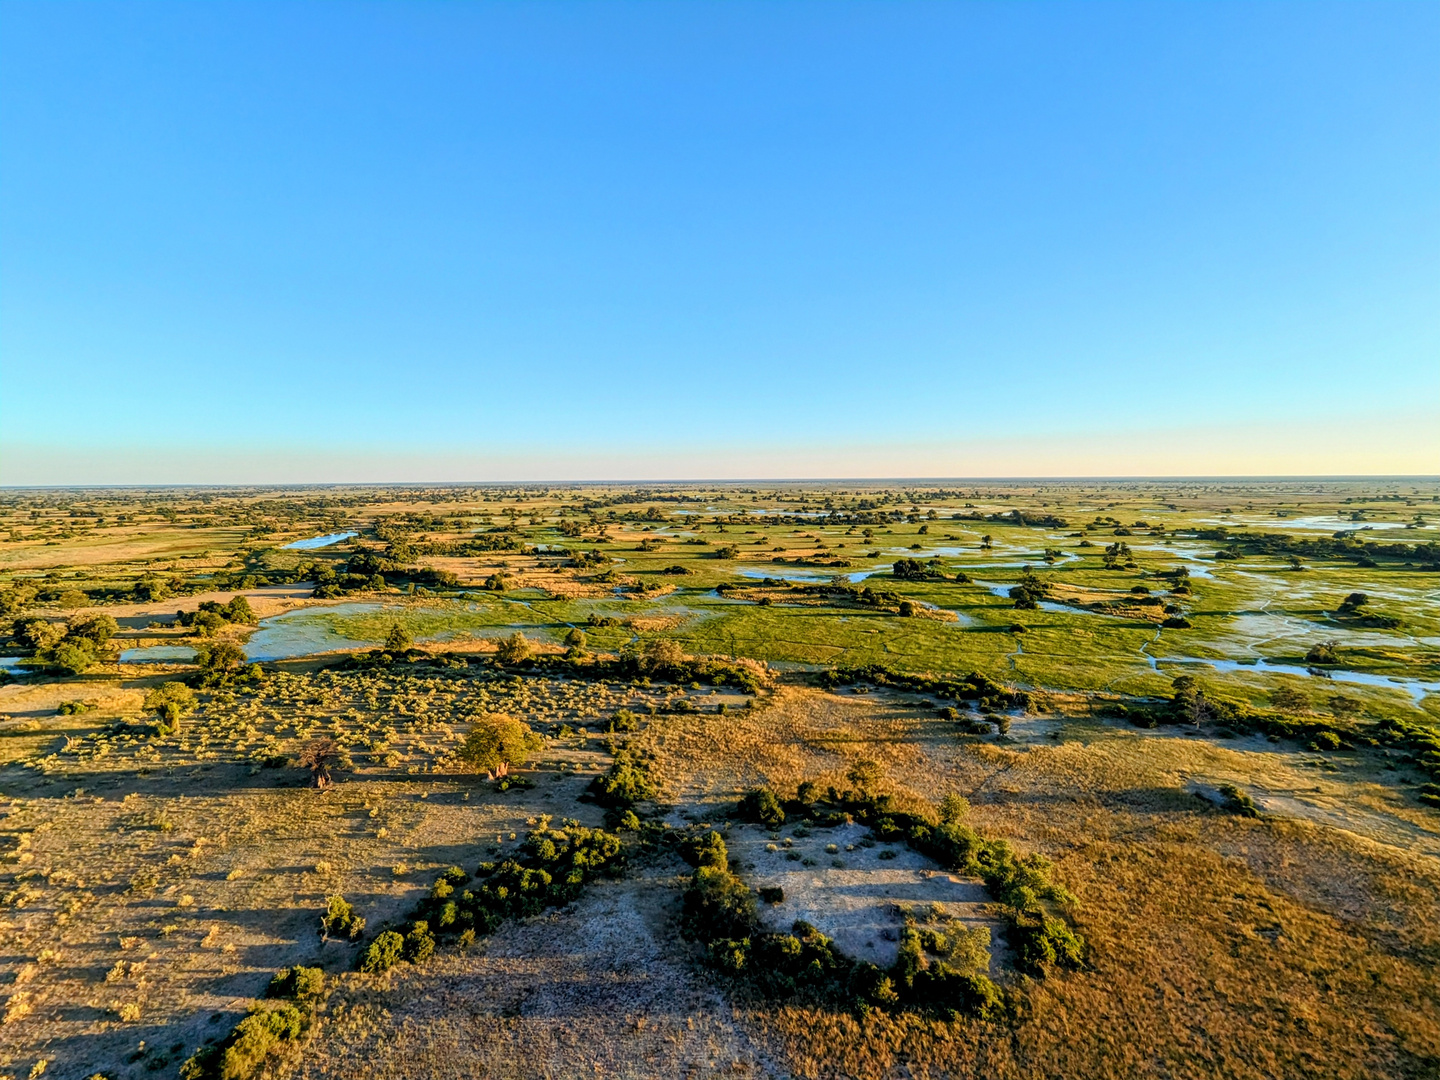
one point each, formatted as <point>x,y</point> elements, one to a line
<point>248,243</point>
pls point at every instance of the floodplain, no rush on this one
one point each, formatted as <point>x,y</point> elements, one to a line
<point>858,779</point>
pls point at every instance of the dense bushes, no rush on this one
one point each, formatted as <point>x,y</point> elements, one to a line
<point>551,869</point>
<point>934,971</point>
<point>625,783</point>
<point>973,687</point>
<point>68,649</point>
<point>269,1028</point>
<point>1021,884</point>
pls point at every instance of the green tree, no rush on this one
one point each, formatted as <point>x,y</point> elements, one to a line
<point>954,809</point>
<point>221,655</point>
<point>240,611</point>
<point>498,741</point>
<point>71,657</point>
<point>398,640</point>
<point>38,634</point>
<point>514,649</point>
<point>97,629</point>
<point>172,702</point>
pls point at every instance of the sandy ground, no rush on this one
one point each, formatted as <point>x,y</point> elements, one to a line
<point>854,896</point>
<point>602,988</point>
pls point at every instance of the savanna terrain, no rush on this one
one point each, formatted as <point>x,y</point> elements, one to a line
<point>853,780</point>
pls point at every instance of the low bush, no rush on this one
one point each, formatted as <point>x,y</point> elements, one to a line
<point>340,920</point>
<point>625,783</point>
<point>382,954</point>
<point>761,806</point>
<point>270,1028</point>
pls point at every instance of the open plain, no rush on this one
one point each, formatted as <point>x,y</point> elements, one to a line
<point>946,780</point>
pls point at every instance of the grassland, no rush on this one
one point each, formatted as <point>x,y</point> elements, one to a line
<point>154,880</point>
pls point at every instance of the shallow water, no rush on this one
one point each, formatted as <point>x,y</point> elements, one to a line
<point>158,654</point>
<point>1418,689</point>
<point>317,541</point>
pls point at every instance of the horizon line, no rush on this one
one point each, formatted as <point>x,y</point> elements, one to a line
<point>696,481</point>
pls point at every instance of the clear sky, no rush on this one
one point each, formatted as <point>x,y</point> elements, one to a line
<point>463,241</point>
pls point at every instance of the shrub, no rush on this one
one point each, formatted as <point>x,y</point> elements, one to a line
<point>717,905</point>
<point>172,702</point>
<point>340,919</point>
<point>419,943</point>
<point>383,953</point>
<point>706,850</point>
<point>761,805</point>
<point>1238,802</point>
<point>298,983</point>
<point>627,781</point>
<point>219,656</point>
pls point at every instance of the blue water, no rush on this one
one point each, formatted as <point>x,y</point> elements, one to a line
<point>318,541</point>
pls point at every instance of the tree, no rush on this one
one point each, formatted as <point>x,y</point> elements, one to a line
<point>660,654</point>
<point>514,649</point>
<point>498,741</point>
<point>38,634</point>
<point>1029,590</point>
<point>320,756</point>
<point>954,809</point>
<point>97,629</point>
<point>398,640</point>
<point>219,656</point>
<point>575,639</point>
<point>240,611</point>
<point>172,702</point>
<point>71,657</point>
<point>1353,603</point>
<point>73,598</point>
<point>207,623</point>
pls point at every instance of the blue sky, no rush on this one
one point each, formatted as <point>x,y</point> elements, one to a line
<point>251,242</point>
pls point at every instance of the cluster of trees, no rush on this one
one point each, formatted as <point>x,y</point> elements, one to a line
<point>1029,590</point>
<point>68,648</point>
<point>1352,609</point>
<point>983,690</point>
<point>211,615</point>
<point>1346,544</point>
<point>1017,517</point>
<point>1118,556</point>
<point>915,570</point>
